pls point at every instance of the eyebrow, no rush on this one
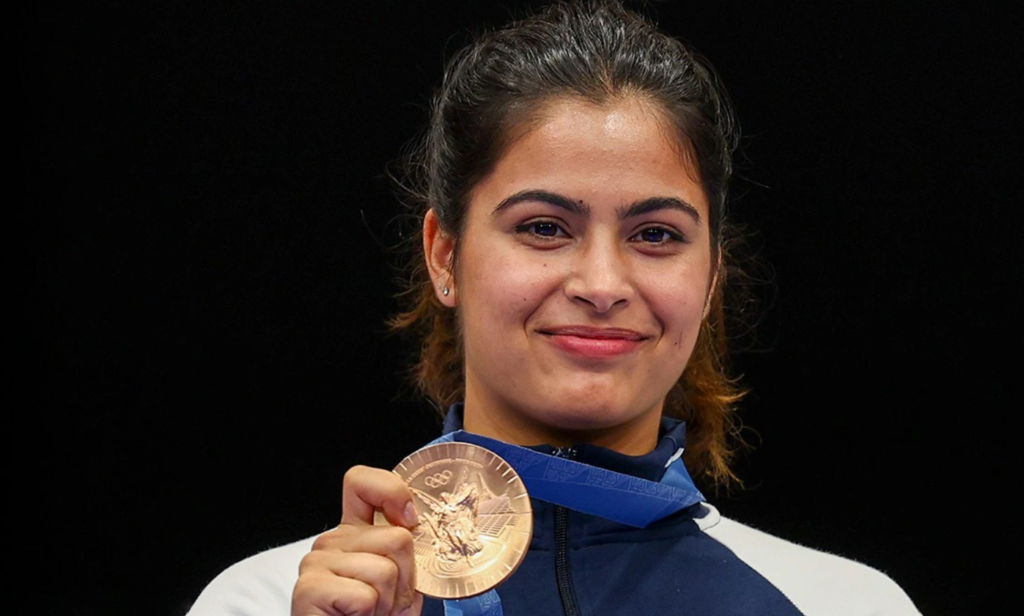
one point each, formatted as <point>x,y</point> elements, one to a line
<point>653,204</point>
<point>576,207</point>
<point>579,207</point>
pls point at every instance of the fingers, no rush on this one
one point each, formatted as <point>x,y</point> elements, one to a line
<point>320,593</point>
<point>323,594</point>
<point>368,489</point>
<point>353,583</point>
<point>359,569</point>
<point>416,608</point>
<point>386,552</point>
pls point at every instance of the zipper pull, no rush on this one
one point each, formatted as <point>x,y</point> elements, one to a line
<point>568,453</point>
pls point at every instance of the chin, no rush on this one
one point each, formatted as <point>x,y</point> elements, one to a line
<point>588,415</point>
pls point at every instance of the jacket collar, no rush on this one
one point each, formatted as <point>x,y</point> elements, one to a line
<point>648,466</point>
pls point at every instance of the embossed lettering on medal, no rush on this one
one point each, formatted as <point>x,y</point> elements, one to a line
<point>475,518</point>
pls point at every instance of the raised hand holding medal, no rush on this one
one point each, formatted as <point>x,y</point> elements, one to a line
<point>475,519</point>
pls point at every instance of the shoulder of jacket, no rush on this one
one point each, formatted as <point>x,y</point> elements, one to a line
<point>258,585</point>
<point>817,582</point>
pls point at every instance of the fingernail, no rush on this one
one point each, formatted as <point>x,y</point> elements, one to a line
<point>406,611</point>
<point>409,515</point>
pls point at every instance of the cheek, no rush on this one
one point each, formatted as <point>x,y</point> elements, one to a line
<point>679,306</point>
<point>502,287</point>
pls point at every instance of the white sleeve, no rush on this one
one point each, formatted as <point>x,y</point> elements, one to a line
<point>816,582</point>
<point>260,585</point>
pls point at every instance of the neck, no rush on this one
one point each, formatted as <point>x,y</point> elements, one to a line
<point>635,437</point>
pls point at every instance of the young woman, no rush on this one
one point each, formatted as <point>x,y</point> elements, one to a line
<point>572,190</point>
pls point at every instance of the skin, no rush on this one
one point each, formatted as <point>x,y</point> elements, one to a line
<point>359,569</point>
<point>584,271</point>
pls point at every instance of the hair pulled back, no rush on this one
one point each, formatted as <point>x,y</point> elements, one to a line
<point>492,92</point>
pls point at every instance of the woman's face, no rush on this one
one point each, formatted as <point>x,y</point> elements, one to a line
<point>582,274</point>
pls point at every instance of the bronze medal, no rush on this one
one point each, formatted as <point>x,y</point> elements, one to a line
<point>475,519</point>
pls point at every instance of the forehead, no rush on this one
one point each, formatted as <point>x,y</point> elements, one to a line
<point>619,151</point>
<point>618,117</point>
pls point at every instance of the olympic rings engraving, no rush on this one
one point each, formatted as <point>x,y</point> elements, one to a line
<point>438,479</point>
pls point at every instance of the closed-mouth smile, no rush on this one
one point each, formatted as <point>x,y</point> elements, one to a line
<point>594,342</point>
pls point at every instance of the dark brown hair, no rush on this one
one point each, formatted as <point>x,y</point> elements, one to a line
<point>598,51</point>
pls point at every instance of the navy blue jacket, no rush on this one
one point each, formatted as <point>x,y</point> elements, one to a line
<point>586,565</point>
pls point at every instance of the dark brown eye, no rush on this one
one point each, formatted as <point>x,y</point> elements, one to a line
<point>657,236</point>
<point>547,229</point>
<point>654,235</point>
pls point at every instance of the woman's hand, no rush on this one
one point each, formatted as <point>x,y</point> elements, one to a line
<point>358,568</point>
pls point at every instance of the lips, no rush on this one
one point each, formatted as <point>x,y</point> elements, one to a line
<point>594,342</point>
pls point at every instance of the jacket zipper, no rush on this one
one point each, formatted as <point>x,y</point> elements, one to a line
<point>563,573</point>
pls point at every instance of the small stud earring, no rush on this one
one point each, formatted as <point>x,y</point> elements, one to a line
<point>445,291</point>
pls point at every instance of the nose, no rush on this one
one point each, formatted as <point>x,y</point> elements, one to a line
<point>601,276</point>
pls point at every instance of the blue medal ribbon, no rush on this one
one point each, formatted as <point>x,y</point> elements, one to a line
<point>581,487</point>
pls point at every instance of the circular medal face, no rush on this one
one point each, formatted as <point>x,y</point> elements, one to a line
<point>475,519</point>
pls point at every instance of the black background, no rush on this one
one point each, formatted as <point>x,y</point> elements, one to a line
<point>207,233</point>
